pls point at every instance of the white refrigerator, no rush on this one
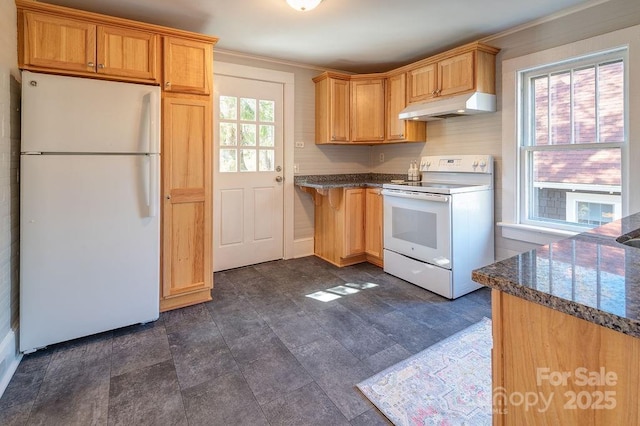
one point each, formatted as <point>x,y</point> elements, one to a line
<point>89,207</point>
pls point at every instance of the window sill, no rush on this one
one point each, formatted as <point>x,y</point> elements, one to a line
<point>533,234</point>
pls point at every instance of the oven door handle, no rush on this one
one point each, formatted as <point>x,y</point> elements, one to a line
<point>416,195</point>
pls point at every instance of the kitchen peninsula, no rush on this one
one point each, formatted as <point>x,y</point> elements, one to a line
<point>348,216</point>
<point>566,330</point>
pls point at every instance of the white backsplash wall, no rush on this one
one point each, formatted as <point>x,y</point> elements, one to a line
<point>9,196</point>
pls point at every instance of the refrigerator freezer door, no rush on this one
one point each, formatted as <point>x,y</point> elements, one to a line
<point>89,245</point>
<point>80,115</point>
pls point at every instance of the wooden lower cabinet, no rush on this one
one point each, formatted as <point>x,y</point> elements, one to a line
<point>348,225</point>
<point>569,371</point>
<point>187,273</point>
<point>373,223</point>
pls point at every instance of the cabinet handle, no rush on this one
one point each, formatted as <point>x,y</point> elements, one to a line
<point>91,64</point>
<point>167,84</point>
<point>434,92</point>
<point>168,197</point>
<point>100,65</point>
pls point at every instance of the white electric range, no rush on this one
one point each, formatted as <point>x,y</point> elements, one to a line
<point>438,230</point>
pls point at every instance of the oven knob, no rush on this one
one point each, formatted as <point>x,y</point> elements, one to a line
<point>475,163</point>
<point>483,164</point>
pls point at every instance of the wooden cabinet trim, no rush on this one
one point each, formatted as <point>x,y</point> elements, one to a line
<point>97,18</point>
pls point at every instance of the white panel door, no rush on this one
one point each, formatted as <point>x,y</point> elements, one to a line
<point>248,188</point>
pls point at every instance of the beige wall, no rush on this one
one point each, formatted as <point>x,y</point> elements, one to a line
<point>9,200</point>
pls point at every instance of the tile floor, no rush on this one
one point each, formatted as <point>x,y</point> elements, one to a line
<point>261,353</point>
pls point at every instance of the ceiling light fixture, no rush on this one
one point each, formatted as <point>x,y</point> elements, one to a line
<point>303,5</point>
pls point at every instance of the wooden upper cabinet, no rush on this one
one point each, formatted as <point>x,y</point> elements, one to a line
<point>332,108</point>
<point>422,82</point>
<point>127,53</point>
<point>465,69</point>
<point>367,109</point>
<point>188,66</point>
<point>83,47</point>
<point>401,130</point>
<point>58,43</point>
<point>456,74</point>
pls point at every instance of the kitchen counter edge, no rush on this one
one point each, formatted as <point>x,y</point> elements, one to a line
<point>498,276</point>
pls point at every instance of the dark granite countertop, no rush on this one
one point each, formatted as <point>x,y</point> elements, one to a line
<point>346,180</point>
<point>590,276</point>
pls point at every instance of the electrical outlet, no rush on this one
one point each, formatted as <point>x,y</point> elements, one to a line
<point>296,168</point>
<point>299,144</point>
<point>382,157</point>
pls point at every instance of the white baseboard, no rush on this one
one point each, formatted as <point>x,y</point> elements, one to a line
<point>10,357</point>
<point>303,247</point>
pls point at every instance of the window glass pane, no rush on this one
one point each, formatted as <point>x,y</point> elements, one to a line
<point>611,102</point>
<point>560,108</point>
<point>267,135</point>
<point>267,160</point>
<point>248,134</point>
<point>228,107</point>
<point>541,110</point>
<point>594,213</point>
<point>267,113</point>
<point>584,105</point>
<point>247,109</point>
<point>228,160</point>
<point>228,134</point>
<point>554,174</point>
<point>247,160</point>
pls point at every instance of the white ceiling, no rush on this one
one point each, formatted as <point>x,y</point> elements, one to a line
<point>350,35</point>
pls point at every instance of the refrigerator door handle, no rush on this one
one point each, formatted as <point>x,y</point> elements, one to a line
<point>152,185</point>
<point>154,123</point>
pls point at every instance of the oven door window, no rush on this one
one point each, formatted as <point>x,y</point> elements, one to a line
<point>419,229</point>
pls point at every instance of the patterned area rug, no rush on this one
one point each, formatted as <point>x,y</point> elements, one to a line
<point>448,383</point>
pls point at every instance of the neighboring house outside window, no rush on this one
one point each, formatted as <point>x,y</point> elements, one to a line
<point>572,133</point>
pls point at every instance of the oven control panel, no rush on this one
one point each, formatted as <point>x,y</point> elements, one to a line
<point>457,163</point>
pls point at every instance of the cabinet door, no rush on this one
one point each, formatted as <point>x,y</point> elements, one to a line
<point>187,66</point>
<point>373,223</point>
<point>423,83</point>
<point>354,203</point>
<point>456,74</point>
<point>58,43</point>
<point>396,101</point>
<point>339,110</point>
<point>187,193</point>
<point>127,53</point>
<point>367,110</point>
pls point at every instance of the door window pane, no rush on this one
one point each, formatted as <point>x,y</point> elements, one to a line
<point>267,109</point>
<point>267,158</point>
<point>228,107</point>
<point>247,109</point>
<point>228,134</point>
<point>267,135</point>
<point>248,160</point>
<point>228,160</point>
<point>248,135</point>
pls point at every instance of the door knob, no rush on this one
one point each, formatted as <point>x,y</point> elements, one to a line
<point>279,179</point>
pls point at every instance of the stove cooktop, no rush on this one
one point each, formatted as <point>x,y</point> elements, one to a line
<point>437,187</point>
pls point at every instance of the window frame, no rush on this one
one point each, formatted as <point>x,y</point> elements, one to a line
<point>510,224</point>
<point>526,132</point>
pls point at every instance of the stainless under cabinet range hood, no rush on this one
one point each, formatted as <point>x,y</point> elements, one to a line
<point>455,106</point>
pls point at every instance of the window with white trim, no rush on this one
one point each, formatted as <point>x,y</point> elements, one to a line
<point>572,131</point>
